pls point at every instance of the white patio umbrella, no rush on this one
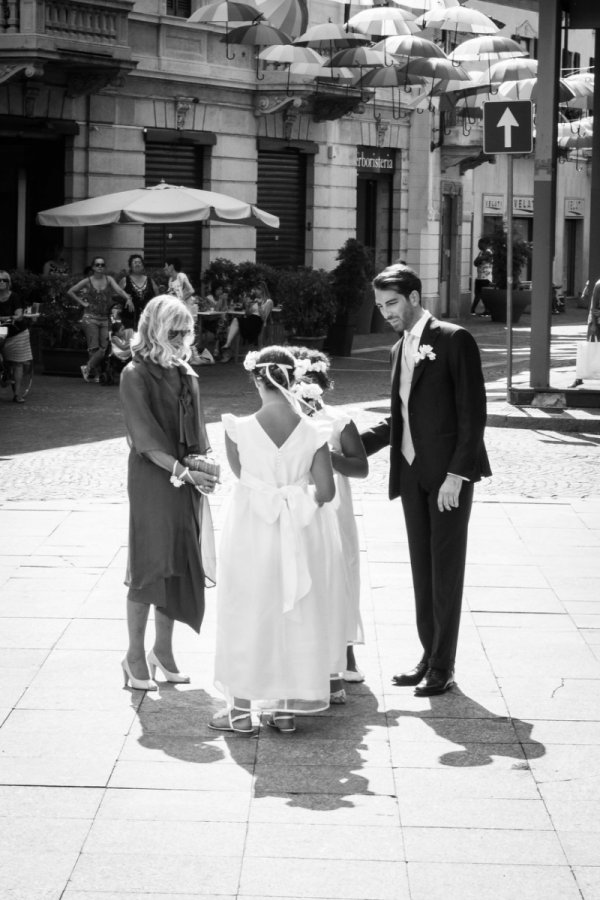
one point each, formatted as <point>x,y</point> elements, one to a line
<point>459,19</point>
<point>160,204</point>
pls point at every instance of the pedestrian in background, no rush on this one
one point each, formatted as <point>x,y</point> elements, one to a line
<point>138,285</point>
<point>171,550</point>
<point>16,355</point>
<point>179,284</point>
<point>95,294</point>
<point>483,262</point>
<point>435,434</point>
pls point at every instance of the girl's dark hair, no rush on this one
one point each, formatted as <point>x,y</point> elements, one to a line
<point>284,377</point>
<point>95,259</point>
<point>320,378</point>
<point>175,262</point>
<point>135,256</point>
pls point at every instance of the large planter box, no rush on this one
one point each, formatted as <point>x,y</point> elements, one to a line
<point>340,337</point>
<point>495,302</point>
<point>63,361</point>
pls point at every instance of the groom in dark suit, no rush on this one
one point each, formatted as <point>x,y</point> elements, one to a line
<point>435,435</point>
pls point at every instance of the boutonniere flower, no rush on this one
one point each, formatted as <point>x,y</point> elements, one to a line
<point>425,351</point>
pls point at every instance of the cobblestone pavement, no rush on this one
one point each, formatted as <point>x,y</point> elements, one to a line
<point>67,441</point>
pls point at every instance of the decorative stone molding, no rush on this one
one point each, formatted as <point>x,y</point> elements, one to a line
<point>266,104</point>
<point>381,128</point>
<point>81,82</point>
<point>29,70</point>
<point>182,108</point>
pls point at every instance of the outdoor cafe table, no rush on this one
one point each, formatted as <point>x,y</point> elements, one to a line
<point>214,315</point>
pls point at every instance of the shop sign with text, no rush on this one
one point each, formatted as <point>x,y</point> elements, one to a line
<point>375,160</point>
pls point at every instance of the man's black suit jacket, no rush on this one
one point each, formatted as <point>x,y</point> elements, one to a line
<point>446,407</point>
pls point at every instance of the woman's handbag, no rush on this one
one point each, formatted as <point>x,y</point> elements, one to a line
<point>588,360</point>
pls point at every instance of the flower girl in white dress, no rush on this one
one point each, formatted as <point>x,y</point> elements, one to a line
<point>276,552</point>
<point>349,460</point>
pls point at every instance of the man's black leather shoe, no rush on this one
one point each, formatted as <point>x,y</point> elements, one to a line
<point>415,676</point>
<point>437,681</point>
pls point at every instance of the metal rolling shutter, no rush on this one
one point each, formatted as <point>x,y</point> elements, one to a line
<point>175,164</point>
<point>282,191</point>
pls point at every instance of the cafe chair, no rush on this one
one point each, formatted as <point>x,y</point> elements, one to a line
<point>241,347</point>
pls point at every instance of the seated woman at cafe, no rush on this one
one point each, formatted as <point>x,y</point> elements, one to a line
<point>214,329</point>
<point>257,309</point>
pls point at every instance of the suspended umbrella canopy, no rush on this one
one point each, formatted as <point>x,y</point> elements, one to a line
<point>576,135</point>
<point>383,21</point>
<point>323,71</point>
<point>357,57</point>
<point>460,19</point>
<point>290,16</point>
<point>486,47</point>
<point>225,11</point>
<point>527,89</point>
<point>410,45</point>
<point>513,69</point>
<point>327,38</point>
<point>434,67</point>
<point>160,204</point>
<point>258,34</point>
<point>415,7</point>
<point>389,77</point>
<point>286,54</point>
<point>582,85</point>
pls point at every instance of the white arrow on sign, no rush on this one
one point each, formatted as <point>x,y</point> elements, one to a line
<point>508,122</point>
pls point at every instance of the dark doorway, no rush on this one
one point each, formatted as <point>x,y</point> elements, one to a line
<point>32,174</point>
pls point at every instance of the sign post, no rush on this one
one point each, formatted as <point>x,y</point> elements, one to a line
<point>508,129</point>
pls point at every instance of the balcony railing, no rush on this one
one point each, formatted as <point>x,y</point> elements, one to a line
<point>104,22</point>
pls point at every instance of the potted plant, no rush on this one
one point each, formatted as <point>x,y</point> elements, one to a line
<point>63,344</point>
<point>494,297</point>
<point>351,283</point>
<point>307,305</point>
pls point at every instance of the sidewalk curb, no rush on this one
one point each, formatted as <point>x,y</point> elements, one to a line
<point>538,419</point>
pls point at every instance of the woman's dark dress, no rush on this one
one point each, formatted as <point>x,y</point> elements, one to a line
<point>163,412</point>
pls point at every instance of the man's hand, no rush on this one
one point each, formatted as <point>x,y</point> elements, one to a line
<point>448,493</point>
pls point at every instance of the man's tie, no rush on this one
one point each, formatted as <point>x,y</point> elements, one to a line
<point>409,348</point>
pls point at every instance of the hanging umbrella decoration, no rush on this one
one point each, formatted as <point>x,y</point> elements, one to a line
<point>224,12</point>
<point>356,58</point>
<point>289,56</point>
<point>527,89</point>
<point>290,16</point>
<point>327,38</point>
<point>459,19</point>
<point>258,34</point>
<point>487,48</point>
<point>383,21</point>
<point>393,77</point>
<point>410,45</point>
<point>160,204</point>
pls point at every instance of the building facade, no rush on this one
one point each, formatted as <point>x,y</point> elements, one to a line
<point>98,96</point>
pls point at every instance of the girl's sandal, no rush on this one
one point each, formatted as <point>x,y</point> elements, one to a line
<point>226,721</point>
<point>283,722</point>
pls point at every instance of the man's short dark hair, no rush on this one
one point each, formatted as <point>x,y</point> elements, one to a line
<point>399,278</point>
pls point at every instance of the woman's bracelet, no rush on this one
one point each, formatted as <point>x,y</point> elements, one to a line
<point>177,480</point>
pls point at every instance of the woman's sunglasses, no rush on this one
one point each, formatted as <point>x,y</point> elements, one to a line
<point>179,332</point>
<point>99,265</point>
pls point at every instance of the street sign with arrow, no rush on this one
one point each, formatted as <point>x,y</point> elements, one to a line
<point>508,126</point>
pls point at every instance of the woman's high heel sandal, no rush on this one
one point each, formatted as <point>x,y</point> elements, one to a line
<point>227,721</point>
<point>174,677</point>
<point>140,684</point>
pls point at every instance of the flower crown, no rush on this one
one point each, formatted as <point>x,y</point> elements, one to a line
<point>307,391</point>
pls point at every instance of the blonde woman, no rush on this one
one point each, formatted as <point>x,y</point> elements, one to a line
<point>168,566</point>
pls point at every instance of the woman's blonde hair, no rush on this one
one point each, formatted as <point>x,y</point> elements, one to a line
<point>162,315</point>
